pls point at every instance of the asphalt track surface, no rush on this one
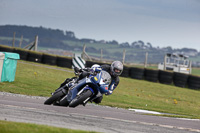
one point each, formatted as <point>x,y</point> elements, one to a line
<point>30,109</point>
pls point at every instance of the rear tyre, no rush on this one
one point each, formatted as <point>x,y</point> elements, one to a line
<point>54,97</point>
<point>80,98</point>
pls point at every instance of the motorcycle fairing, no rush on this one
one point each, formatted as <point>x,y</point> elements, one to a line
<point>95,83</point>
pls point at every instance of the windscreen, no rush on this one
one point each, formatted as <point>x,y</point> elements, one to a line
<point>106,77</point>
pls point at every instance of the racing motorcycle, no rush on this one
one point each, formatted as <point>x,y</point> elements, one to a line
<point>77,92</point>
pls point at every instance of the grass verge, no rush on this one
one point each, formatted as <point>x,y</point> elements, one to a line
<point>18,127</point>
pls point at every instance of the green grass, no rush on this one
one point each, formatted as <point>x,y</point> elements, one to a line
<point>11,38</point>
<point>35,80</point>
<point>17,127</point>
<point>158,97</point>
<point>196,71</point>
<point>131,93</point>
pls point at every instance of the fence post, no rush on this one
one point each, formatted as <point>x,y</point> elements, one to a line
<point>20,43</point>
<point>36,42</point>
<point>85,54</point>
<point>124,54</point>
<point>101,54</point>
<point>165,58</point>
<point>146,58</point>
<point>13,43</point>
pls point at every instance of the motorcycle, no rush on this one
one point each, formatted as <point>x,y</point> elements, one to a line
<point>60,92</point>
<point>82,91</point>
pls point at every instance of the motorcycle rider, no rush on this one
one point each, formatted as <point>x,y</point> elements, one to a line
<point>115,70</point>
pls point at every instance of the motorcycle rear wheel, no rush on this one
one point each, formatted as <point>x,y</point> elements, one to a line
<point>80,98</point>
<point>54,98</point>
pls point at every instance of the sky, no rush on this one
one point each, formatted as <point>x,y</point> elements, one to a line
<point>162,23</point>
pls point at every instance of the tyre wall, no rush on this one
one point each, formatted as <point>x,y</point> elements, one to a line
<point>180,79</point>
<point>89,63</point>
<point>165,77</point>
<point>6,48</point>
<point>23,53</point>
<point>64,62</point>
<point>49,59</point>
<point>151,75</point>
<point>137,73</point>
<point>126,72</point>
<point>194,82</point>
<point>34,57</point>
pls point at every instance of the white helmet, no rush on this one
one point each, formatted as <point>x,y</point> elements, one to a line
<point>116,68</point>
<point>96,68</point>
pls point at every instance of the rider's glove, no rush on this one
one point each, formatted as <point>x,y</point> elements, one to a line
<point>111,88</point>
<point>76,69</point>
<point>109,92</point>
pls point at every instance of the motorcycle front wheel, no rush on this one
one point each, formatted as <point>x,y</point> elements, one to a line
<point>54,98</point>
<point>80,98</point>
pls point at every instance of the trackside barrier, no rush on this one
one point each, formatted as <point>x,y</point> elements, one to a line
<point>180,79</point>
<point>137,73</point>
<point>49,59</point>
<point>151,75</point>
<point>6,48</point>
<point>64,61</point>
<point>165,77</point>
<point>126,72</point>
<point>161,76</point>
<point>22,52</point>
<point>193,82</point>
<point>34,56</point>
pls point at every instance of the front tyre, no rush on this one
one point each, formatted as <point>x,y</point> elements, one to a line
<point>54,98</point>
<point>80,98</point>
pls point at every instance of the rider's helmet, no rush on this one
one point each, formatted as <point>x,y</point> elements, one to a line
<point>116,68</point>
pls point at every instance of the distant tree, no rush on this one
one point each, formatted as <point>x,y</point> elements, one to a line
<point>125,44</point>
<point>169,49</point>
<point>133,44</point>
<point>113,42</point>
<point>141,43</point>
<point>70,34</point>
<point>31,32</point>
<point>149,45</point>
<point>188,50</point>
